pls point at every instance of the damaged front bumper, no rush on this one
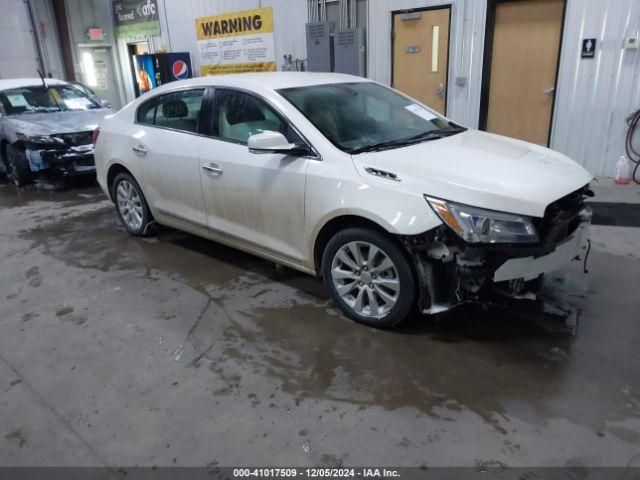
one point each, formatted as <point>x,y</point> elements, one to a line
<point>531,267</point>
<point>452,273</point>
<point>74,160</point>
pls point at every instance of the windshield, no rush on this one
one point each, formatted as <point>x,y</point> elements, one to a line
<point>365,116</point>
<point>37,99</point>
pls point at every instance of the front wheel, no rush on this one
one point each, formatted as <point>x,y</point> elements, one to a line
<point>369,277</point>
<point>131,206</point>
<point>18,170</point>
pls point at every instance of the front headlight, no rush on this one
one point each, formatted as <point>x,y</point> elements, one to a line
<point>477,225</point>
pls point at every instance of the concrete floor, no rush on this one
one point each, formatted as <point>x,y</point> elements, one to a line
<point>178,351</point>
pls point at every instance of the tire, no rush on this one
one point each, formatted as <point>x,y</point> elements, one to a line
<point>133,210</point>
<point>18,170</point>
<point>382,295</point>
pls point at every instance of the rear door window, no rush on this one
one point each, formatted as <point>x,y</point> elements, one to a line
<point>176,110</point>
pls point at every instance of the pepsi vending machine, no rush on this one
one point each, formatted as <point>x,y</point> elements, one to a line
<point>157,69</point>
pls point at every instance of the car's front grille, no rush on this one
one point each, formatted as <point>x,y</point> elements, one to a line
<point>76,139</point>
<point>561,218</point>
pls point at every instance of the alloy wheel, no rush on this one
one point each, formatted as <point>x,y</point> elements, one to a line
<point>365,278</point>
<point>129,204</point>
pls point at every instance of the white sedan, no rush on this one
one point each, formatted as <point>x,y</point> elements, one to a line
<point>396,207</point>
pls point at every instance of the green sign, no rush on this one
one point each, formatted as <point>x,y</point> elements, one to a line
<point>136,18</point>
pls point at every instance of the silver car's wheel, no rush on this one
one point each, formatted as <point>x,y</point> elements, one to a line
<point>366,279</point>
<point>129,204</point>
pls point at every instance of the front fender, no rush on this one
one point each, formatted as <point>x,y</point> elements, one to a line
<point>397,211</point>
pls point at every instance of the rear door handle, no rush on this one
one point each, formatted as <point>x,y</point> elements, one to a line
<point>140,150</point>
<point>213,169</point>
<point>549,91</point>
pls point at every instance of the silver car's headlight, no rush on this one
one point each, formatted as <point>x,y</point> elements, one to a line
<point>477,225</point>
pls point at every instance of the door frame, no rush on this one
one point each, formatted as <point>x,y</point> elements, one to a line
<point>488,56</point>
<point>393,38</point>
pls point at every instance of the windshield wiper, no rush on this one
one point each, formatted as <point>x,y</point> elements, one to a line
<point>402,142</point>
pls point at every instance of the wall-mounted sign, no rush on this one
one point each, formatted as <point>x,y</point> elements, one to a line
<point>102,77</point>
<point>95,34</point>
<point>588,47</point>
<point>135,18</point>
<point>236,42</point>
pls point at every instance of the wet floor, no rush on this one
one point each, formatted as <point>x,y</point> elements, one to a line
<point>176,350</point>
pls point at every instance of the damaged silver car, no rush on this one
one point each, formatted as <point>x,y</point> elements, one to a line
<point>46,126</point>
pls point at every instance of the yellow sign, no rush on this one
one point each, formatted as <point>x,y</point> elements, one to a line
<point>236,42</point>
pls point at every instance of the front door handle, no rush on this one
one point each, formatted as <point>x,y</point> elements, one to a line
<point>441,90</point>
<point>212,168</point>
<point>140,150</point>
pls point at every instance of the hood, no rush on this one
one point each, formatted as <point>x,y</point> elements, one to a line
<point>481,169</point>
<point>57,122</point>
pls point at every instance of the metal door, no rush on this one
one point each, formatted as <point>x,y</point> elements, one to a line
<point>98,73</point>
<point>421,55</point>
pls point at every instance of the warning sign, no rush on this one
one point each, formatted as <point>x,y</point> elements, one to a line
<point>236,42</point>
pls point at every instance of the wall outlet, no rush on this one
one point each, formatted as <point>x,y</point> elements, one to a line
<point>631,43</point>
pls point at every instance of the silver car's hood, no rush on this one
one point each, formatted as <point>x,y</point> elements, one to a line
<point>56,122</point>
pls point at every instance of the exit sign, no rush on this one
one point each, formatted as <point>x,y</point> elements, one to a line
<point>95,34</point>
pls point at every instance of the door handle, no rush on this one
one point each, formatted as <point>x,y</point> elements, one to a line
<point>441,90</point>
<point>140,150</point>
<point>212,168</point>
<point>550,90</point>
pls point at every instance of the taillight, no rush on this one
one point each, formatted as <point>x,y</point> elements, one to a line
<point>94,135</point>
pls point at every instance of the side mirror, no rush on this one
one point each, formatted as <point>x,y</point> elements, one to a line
<point>275,142</point>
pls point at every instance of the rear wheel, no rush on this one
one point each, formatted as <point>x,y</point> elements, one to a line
<point>369,277</point>
<point>131,206</point>
<point>18,170</point>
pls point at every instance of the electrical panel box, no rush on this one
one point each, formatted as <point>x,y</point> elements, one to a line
<point>320,46</point>
<point>350,52</point>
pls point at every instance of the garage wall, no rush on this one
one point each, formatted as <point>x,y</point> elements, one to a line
<point>465,50</point>
<point>593,97</point>
<point>289,17</point>
<point>85,14</point>
<point>49,38</point>
<point>19,56</point>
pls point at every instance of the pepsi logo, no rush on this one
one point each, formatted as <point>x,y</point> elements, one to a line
<point>180,69</point>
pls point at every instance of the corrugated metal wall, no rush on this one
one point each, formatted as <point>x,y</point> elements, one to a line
<point>19,55</point>
<point>49,38</point>
<point>593,97</point>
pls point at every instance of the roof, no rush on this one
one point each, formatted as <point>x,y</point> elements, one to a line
<point>27,82</point>
<point>274,80</point>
